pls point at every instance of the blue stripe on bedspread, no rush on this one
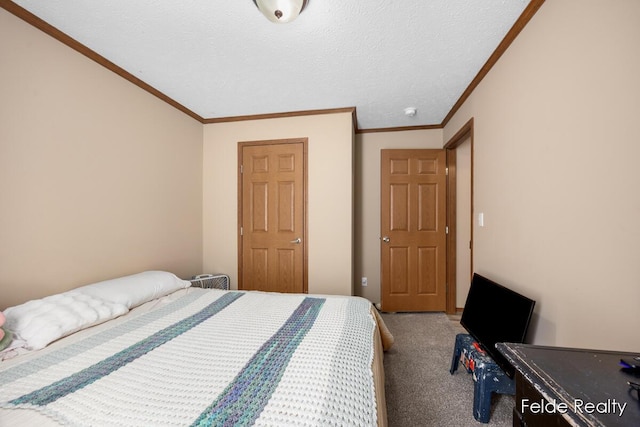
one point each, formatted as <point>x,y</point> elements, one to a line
<point>82,378</point>
<point>245,397</point>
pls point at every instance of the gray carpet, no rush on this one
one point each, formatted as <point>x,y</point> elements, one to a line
<point>419,389</point>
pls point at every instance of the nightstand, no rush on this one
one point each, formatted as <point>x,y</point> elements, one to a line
<point>211,281</point>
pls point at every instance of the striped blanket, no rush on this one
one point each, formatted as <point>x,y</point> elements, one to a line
<point>211,358</point>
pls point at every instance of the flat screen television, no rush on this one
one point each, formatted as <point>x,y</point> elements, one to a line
<point>493,314</point>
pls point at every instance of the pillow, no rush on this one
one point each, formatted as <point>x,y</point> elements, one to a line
<point>40,322</point>
<point>136,289</point>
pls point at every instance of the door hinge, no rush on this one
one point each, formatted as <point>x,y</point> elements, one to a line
<point>241,231</point>
<point>446,229</point>
<point>241,169</point>
<point>446,171</point>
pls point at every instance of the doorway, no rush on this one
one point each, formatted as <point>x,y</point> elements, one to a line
<point>460,216</point>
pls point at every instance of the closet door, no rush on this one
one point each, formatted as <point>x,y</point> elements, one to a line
<point>272,225</point>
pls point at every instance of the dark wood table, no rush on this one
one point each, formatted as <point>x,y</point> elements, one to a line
<point>558,386</point>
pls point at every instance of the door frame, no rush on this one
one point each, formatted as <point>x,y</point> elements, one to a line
<point>464,133</point>
<point>305,177</point>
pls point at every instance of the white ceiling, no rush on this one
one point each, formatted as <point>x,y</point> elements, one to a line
<point>224,58</point>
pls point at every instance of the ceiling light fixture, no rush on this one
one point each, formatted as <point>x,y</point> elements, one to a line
<point>410,111</point>
<point>281,11</point>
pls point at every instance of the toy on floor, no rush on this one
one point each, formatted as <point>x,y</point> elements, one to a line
<point>5,336</point>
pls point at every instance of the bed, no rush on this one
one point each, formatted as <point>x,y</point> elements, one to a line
<point>148,349</point>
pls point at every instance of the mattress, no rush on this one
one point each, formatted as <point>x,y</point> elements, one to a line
<point>209,357</point>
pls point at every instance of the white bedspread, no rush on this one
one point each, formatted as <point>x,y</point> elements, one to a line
<point>210,358</point>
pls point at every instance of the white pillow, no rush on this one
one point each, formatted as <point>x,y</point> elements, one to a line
<point>136,289</point>
<point>39,322</point>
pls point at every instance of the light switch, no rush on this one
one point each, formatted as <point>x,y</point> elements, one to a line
<point>481,219</point>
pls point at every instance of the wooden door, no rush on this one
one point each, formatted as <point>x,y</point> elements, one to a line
<point>272,216</point>
<point>413,221</point>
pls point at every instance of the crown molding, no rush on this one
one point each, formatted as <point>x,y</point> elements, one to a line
<point>279,115</point>
<point>52,31</point>
<point>517,27</point>
<point>47,28</point>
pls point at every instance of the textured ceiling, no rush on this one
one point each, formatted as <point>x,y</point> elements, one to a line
<point>223,58</point>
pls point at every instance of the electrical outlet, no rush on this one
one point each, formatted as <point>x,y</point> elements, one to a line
<point>364,281</point>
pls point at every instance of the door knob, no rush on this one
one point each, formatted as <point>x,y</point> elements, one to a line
<point>296,241</point>
<point>386,239</point>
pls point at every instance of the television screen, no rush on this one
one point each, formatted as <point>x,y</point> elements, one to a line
<point>492,314</point>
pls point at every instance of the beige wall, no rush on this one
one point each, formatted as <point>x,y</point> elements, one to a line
<point>556,171</point>
<point>97,177</point>
<point>367,199</point>
<point>330,186</point>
